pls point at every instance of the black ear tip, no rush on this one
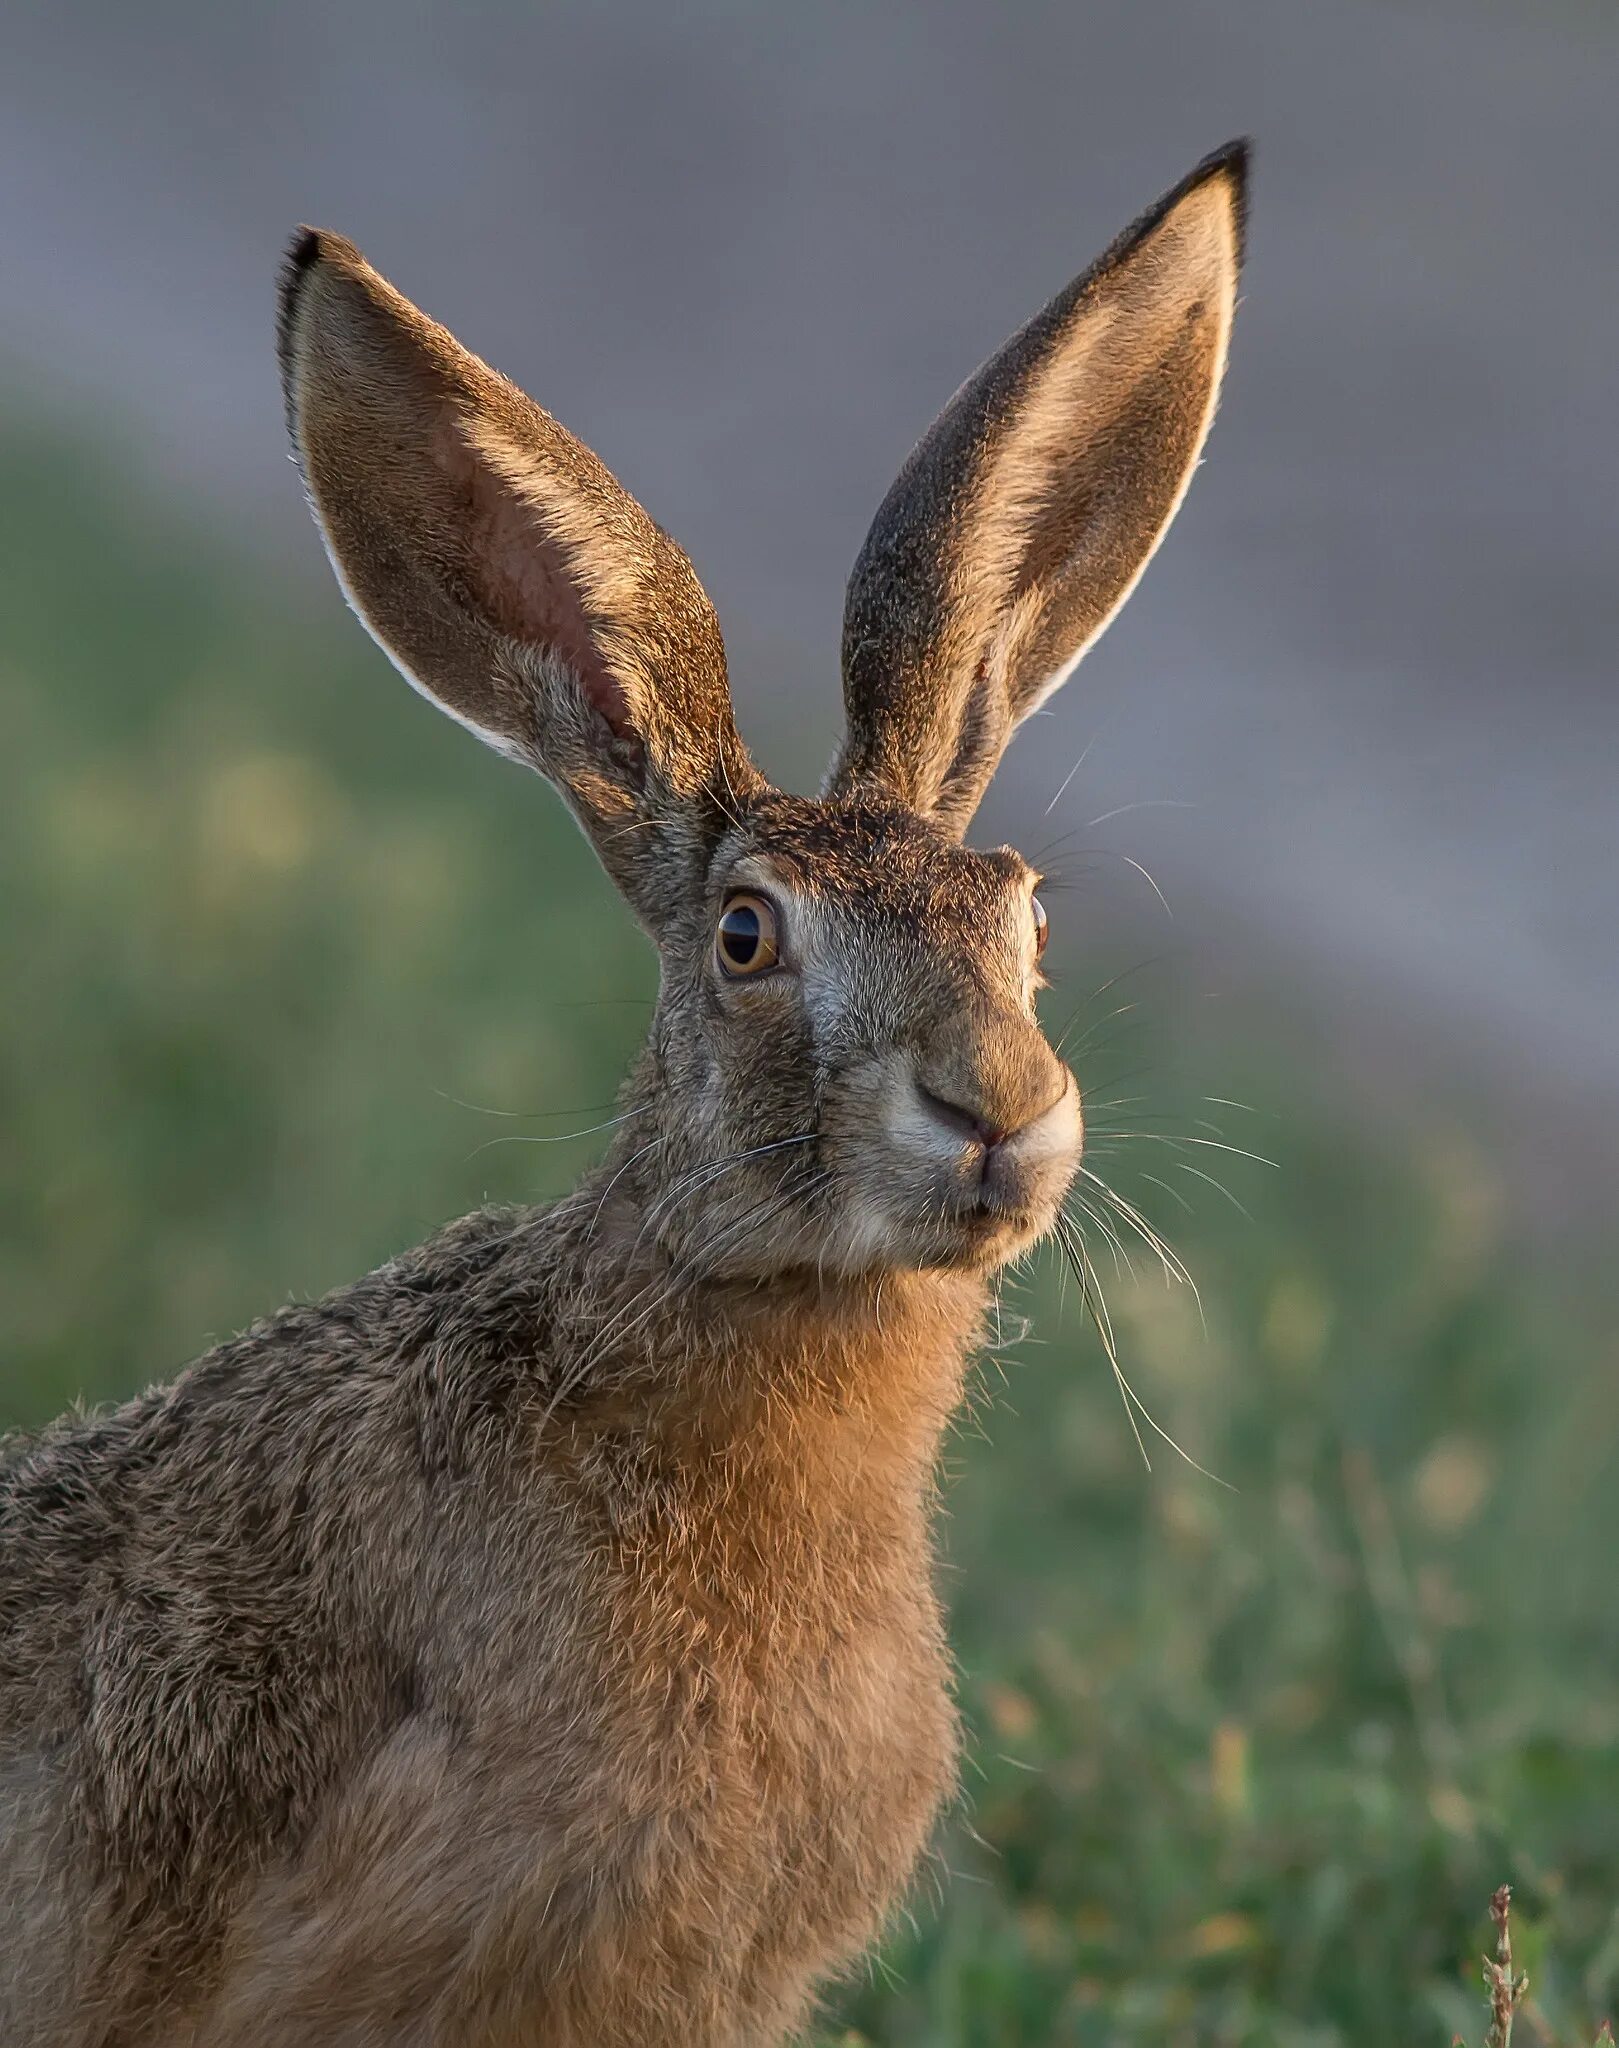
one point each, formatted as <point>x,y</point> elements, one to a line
<point>307,248</point>
<point>1231,161</point>
<point>1232,157</point>
<point>302,254</point>
<point>1227,165</point>
<point>303,248</point>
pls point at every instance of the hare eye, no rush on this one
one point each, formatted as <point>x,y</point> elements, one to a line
<point>746,940</point>
<point>1042,927</point>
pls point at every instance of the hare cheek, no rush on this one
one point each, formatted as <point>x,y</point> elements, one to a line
<point>893,1161</point>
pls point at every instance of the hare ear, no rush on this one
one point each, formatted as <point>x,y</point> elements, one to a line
<point>507,574</point>
<point>1023,519</point>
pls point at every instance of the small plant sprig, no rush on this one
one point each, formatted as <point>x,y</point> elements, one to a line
<point>1509,1989</point>
<point>1504,1988</point>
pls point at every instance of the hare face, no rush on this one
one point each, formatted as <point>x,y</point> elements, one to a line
<point>879,1087</point>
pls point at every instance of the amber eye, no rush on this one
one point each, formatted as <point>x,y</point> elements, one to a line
<point>746,940</point>
<point>1042,928</point>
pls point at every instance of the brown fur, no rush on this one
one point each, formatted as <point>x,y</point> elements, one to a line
<point>535,1642</point>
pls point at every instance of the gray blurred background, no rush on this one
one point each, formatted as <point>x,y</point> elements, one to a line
<point>1363,707</point>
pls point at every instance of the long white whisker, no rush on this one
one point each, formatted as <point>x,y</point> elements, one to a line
<point>555,1138</point>
<point>1091,1030</point>
<point>1174,1194</point>
<point>1062,787</point>
<point>1171,1261</point>
<point>1215,1144</point>
<point>1149,803</point>
<point>712,1170</point>
<point>1084,1274</point>
<point>639,1153</point>
<point>1219,1187</point>
<point>1121,1258</point>
<point>664,1287</point>
<point>484,1109</point>
<point>1105,1330</point>
<point>1130,861</point>
<point>1174,1266</point>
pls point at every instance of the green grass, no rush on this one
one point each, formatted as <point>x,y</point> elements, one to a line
<point>1245,1766</point>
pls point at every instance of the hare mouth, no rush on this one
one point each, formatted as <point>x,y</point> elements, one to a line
<point>996,1224</point>
<point>982,1240</point>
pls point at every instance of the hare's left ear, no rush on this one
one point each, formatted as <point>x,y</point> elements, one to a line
<point>1023,519</point>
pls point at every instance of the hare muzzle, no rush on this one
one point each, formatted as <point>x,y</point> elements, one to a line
<point>987,1126</point>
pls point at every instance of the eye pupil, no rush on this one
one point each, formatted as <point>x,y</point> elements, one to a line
<point>739,934</point>
<point>745,940</point>
<point>1042,928</point>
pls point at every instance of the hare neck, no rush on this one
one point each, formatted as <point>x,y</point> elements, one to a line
<point>874,1360</point>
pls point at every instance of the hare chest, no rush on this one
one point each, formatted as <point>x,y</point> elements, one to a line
<point>689,1830</point>
<point>774,1791</point>
<point>729,1778</point>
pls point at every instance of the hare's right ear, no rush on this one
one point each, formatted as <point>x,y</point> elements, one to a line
<point>508,575</point>
<point>1022,520</point>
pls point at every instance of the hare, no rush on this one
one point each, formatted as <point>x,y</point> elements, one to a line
<point>535,1642</point>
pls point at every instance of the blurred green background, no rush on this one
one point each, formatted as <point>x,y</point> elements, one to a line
<point>292,972</point>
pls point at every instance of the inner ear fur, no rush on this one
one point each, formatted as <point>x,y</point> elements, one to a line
<point>502,567</point>
<point>1024,517</point>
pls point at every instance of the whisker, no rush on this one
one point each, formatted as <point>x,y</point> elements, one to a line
<point>1062,787</point>
<point>1105,1331</point>
<point>1121,1258</point>
<point>624,831</point>
<point>483,1109</point>
<point>712,1170</point>
<point>1217,1144</point>
<point>555,1138</point>
<point>1175,1267</point>
<point>734,813</point>
<point>1086,1042</point>
<point>1150,803</point>
<point>1168,1258</point>
<point>1219,1187</point>
<point>1079,1259</point>
<point>1091,853</point>
<point>639,1153</point>
<point>1131,861</point>
<point>1107,987</point>
<point>664,1287</point>
<point>1174,1194</point>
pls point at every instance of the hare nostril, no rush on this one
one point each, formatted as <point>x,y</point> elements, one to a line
<point>962,1121</point>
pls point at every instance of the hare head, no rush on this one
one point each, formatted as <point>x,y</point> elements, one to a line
<point>845,1070</point>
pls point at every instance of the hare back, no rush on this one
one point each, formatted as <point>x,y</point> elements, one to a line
<point>373,1670</point>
